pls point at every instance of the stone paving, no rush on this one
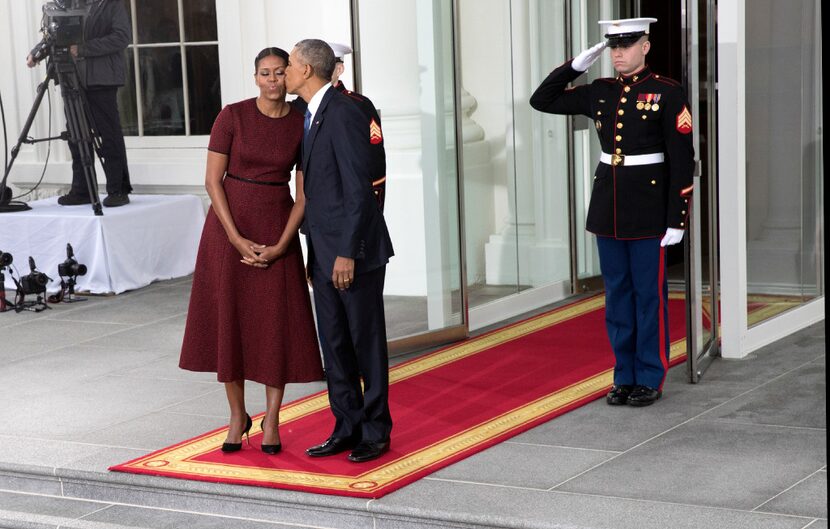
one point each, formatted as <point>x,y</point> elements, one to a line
<point>88,385</point>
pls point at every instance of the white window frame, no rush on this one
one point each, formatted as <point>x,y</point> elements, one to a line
<point>186,140</point>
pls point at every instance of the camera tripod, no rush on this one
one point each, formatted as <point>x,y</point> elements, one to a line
<point>61,68</point>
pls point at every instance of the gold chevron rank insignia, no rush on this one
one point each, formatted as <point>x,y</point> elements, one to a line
<point>375,134</point>
<point>684,121</point>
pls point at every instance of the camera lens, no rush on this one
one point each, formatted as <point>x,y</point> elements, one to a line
<point>5,259</point>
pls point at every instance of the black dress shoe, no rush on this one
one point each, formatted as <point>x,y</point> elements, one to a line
<point>643,396</point>
<point>331,446</point>
<point>71,199</point>
<point>618,394</point>
<point>113,200</point>
<point>368,450</point>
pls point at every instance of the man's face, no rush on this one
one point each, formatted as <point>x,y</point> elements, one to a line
<point>294,73</point>
<point>629,59</point>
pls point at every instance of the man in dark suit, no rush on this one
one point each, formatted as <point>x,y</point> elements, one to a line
<point>348,246</point>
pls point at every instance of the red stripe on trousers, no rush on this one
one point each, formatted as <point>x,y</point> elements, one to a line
<point>662,316</point>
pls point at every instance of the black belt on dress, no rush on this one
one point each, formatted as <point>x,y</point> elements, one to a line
<point>259,182</point>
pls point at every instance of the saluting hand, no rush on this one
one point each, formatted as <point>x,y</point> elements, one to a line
<point>584,60</point>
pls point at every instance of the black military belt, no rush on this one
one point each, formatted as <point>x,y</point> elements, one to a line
<point>259,182</point>
<point>636,159</point>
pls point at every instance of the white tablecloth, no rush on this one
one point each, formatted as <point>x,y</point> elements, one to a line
<point>154,237</point>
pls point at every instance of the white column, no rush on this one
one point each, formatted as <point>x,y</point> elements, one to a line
<point>732,171</point>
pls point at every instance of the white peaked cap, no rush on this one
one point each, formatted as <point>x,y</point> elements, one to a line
<point>340,50</point>
<point>626,27</point>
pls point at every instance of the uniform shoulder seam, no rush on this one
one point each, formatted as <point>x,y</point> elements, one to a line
<point>666,80</point>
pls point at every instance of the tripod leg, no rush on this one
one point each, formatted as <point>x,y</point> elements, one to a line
<point>80,133</point>
<point>41,90</point>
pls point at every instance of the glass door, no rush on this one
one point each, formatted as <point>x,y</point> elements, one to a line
<point>405,52</point>
<point>524,172</point>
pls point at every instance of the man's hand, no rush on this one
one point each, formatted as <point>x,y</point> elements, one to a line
<point>672,236</point>
<point>73,50</point>
<point>343,274</point>
<point>30,61</point>
<point>584,60</point>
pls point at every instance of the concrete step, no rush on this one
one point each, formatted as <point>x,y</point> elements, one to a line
<point>34,498</point>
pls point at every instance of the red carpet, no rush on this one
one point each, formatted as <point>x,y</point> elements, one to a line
<point>446,405</point>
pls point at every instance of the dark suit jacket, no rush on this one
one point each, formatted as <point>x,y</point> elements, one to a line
<point>107,33</point>
<point>342,217</point>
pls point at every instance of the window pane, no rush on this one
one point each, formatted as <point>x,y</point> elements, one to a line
<point>126,98</point>
<point>199,20</point>
<point>161,90</point>
<point>157,21</point>
<point>204,93</point>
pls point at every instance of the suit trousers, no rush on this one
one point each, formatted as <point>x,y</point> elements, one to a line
<point>636,309</point>
<point>352,329</point>
<point>103,108</point>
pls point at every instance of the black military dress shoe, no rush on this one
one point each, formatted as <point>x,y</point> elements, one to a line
<point>368,450</point>
<point>618,394</point>
<point>113,200</point>
<point>331,446</point>
<point>643,396</point>
<point>71,199</point>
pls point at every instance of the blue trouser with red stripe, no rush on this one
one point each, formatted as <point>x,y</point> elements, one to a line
<point>636,309</point>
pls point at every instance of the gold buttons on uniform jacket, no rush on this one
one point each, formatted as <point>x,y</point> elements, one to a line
<point>682,224</point>
<point>619,125</point>
<point>599,113</point>
<point>682,212</point>
<point>618,137</point>
<point>645,117</point>
<point>654,182</point>
<point>624,100</point>
<point>619,151</point>
<point>621,112</point>
<point>627,89</point>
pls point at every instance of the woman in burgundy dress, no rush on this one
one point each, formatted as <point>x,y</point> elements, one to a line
<point>250,313</point>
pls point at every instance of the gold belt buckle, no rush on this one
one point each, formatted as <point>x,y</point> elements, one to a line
<point>617,159</point>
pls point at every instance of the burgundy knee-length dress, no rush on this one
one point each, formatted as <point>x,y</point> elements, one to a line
<point>245,322</point>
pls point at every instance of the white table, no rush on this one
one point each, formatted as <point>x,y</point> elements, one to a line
<point>153,237</point>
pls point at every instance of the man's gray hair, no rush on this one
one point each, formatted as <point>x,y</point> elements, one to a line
<point>319,55</point>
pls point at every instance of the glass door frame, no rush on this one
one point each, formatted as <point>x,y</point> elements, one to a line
<point>702,349</point>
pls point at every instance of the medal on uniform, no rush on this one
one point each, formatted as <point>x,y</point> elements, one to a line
<point>655,107</point>
<point>599,124</point>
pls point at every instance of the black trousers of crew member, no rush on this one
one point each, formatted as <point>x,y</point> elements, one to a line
<point>636,309</point>
<point>103,106</point>
<point>353,331</point>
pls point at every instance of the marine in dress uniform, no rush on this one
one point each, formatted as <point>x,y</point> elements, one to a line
<point>640,198</point>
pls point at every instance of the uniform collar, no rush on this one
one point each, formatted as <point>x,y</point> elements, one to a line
<point>634,78</point>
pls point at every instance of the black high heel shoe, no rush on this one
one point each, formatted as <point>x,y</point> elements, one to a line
<point>269,449</point>
<point>236,447</point>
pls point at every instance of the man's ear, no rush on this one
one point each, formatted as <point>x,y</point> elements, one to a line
<point>646,47</point>
<point>308,71</point>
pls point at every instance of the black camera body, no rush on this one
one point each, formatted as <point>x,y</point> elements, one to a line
<point>35,282</point>
<point>70,267</point>
<point>62,25</point>
<point>6,259</point>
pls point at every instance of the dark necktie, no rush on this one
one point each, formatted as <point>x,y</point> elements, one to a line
<point>307,124</point>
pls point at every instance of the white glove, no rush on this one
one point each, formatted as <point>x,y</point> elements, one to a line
<point>672,236</point>
<point>584,60</point>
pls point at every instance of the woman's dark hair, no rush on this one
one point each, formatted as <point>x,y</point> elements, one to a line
<point>278,52</point>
